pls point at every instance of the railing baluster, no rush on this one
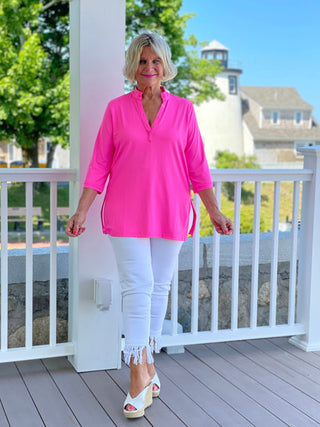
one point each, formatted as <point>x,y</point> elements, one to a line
<point>255,256</point>
<point>235,257</point>
<point>215,268</point>
<point>4,266</point>
<point>53,264</point>
<point>274,256</point>
<point>29,264</point>
<point>195,268</point>
<point>293,255</point>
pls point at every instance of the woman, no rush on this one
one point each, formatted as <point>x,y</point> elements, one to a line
<point>149,147</point>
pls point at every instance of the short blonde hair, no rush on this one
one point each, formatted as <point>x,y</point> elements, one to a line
<point>159,46</point>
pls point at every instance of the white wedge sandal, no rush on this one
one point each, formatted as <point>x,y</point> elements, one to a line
<point>141,402</point>
<point>155,382</point>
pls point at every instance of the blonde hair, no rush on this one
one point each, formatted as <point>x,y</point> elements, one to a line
<point>159,46</point>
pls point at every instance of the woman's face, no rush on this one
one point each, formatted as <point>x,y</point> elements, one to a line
<point>150,69</point>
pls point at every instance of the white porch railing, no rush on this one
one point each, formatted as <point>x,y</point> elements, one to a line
<point>29,176</point>
<point>303,322</point>
<point>303,311</point>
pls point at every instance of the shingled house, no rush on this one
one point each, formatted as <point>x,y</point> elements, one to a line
<point>276,121</point>
<point>268,122</point>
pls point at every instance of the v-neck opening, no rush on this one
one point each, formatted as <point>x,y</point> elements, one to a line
<point>138,96</point>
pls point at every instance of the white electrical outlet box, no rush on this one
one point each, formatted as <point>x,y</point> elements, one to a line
<point>102,293</point>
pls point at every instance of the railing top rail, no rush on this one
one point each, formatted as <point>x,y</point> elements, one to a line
<point>218,175</point>
<point>38,175</point>
<point>260,175</point>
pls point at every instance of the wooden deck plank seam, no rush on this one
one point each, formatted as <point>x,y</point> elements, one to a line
<point>279,396</point>
<point>289,368</point>
<point>29,392</point>
<point>60,391</point>
<point>4,411</point>
<point>278,354</point>
<point>272,373</point>
<point>106,372</point>
<point>186,394</point>
<point>97,400</point>
<point>283,347</point>
<point>238,388</point>
<point>211,391</point>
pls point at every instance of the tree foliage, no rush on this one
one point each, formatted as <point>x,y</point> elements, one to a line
<point>34,76</point>
<point>34,65</point>
<point>195,79</point>
<point>227,160</point>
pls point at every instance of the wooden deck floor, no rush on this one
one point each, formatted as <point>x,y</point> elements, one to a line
<point>261,383</point>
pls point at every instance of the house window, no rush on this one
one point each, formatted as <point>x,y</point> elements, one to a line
<point>275,117</point>
<point>233,85</point>
<point>298,117</point>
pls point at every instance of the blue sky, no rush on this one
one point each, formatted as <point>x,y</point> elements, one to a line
<point>277,42</point>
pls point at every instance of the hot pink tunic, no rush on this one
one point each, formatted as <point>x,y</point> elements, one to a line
<point>149,167</point>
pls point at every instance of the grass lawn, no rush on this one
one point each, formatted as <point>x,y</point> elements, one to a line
<point>41,197</point>
<point>246,212</point>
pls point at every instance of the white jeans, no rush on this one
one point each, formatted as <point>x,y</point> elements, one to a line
<point>146,267</point>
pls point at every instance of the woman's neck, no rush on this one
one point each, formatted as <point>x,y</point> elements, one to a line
<point>150,92</point>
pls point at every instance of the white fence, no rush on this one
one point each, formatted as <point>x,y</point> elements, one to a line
<point>30,176</point>
<point>303,314</point>
<point>303,311</point>
<point>254,331</point>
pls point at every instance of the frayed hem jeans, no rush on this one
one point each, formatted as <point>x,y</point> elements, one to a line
<point>146,267</point>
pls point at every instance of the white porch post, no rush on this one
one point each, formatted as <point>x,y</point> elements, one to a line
<point>308,310</point>
<point>97,39</point>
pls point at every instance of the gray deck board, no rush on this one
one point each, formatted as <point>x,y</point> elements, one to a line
<point>261,383</point>
<point>291,376</point>
<point>309,357</point>
<point>51,405</point>
<point>234,369</point>
<point>182,368</point>
<point>287,359</point>
<point>75,391</point>
<point>253,367</point>
<point>176,398</point>
<point>13,395</point>
<point>237,399</point>
<point>3,417</point>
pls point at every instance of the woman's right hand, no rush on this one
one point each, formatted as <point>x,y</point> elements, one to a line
<point>74,225</point>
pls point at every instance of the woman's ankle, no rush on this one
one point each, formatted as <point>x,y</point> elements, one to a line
<point>151,370</point>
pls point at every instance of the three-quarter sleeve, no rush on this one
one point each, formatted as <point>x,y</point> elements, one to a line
<point>198,168</point>
<point>101,160</point>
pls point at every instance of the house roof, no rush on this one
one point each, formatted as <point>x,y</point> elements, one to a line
<point>214,45</point>
<point>277,134</point>
<point>275,97</point>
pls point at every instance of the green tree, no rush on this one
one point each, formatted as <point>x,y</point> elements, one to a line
<point>34,57</point>
<point>227,160</point>
<point>34,82</point>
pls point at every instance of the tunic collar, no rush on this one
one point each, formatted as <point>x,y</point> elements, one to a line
<point>137,94</point>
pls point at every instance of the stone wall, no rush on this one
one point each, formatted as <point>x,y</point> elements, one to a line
<point>225,292</point>
<point>41,299</point>
<point>225,282</point>
<point>16,300</point>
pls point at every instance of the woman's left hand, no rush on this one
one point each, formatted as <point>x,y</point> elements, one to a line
<point>222,224</point>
